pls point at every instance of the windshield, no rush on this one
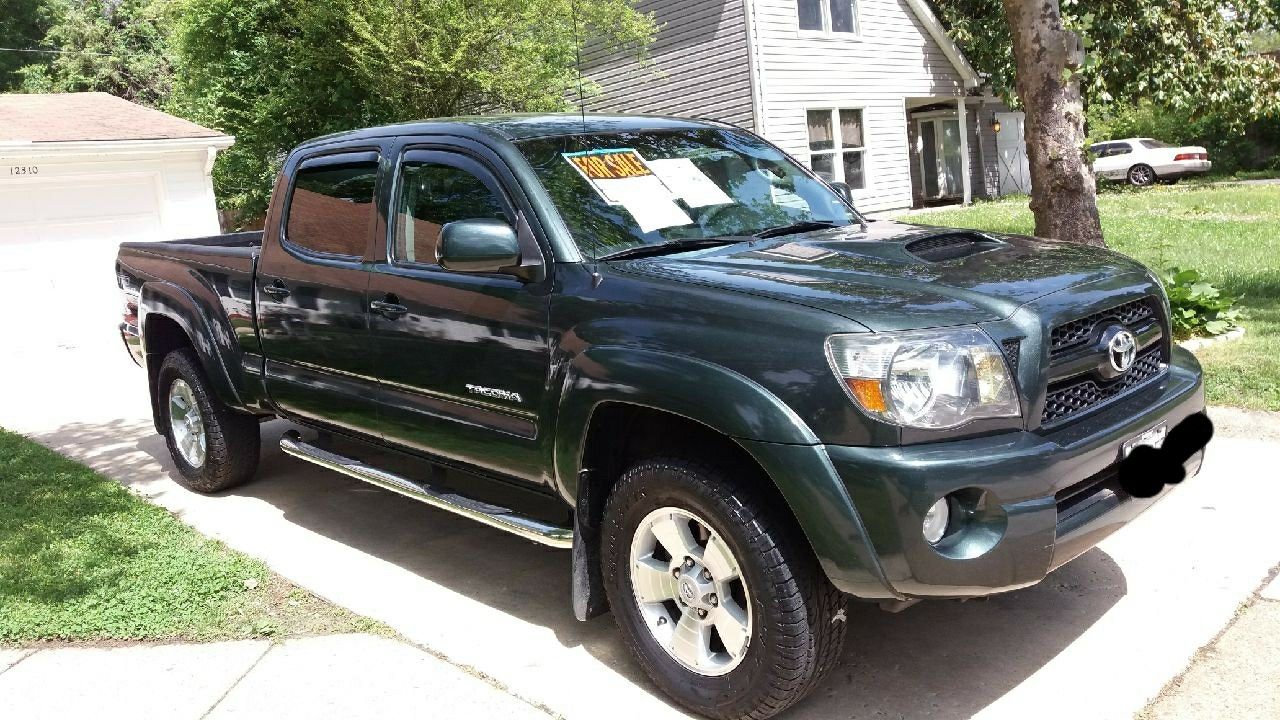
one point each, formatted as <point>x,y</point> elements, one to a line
<point>1154,144</point>
<point>623,190</point>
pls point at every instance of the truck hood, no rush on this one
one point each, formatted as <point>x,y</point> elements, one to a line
<point>895,276</point>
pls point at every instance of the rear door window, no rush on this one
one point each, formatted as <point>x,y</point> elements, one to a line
<point>331,209</point>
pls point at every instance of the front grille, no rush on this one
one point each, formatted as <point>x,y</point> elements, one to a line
<point>1075,396</point>
<point>1069,336</point>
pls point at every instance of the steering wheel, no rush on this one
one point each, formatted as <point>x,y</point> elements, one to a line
<point>728,219</point>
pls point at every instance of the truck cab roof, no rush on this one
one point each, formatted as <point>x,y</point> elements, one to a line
<point>520,126</point>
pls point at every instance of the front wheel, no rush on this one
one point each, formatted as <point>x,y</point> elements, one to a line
<point>721,600</point>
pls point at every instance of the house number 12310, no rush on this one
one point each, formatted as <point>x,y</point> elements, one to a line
<point>24,170</point>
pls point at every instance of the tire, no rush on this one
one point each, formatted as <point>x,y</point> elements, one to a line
<point>1142,175</point>
<point>794,617</point>
<point>225,451</point>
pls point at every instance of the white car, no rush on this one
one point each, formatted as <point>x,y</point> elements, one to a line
<point>1143,161</point>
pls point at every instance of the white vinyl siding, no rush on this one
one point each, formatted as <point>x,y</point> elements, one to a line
<point>895,59</point>
<point>698,65</point>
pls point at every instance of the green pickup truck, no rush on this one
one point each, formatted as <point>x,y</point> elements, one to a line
<point>668,347</point>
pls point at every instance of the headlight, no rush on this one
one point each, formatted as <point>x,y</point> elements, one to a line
<point>932,379</point>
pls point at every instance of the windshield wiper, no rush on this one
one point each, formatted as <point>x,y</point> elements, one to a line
<point>673,246</point>
<point>796,228</point>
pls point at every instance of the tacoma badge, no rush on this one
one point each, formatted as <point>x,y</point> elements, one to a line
<point>495,393</point>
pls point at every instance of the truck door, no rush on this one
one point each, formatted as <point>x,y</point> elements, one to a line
<point>311,286</point>
<point>463,357</point>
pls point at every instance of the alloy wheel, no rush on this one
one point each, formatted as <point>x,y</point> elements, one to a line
<point>690,591</point>
<point>187,424</point>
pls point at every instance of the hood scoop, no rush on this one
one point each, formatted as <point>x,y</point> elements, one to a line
<point>951,246</point>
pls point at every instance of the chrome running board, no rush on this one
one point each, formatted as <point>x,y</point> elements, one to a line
<point>491,515</point>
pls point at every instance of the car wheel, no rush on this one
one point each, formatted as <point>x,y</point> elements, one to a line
<point>721,600</point>
<point>214,447</point>
<point>1142,176</point>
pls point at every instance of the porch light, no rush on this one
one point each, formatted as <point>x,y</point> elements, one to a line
<point>995,126</point>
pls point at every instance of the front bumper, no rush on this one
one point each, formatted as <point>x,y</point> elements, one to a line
<point>1048,496</point>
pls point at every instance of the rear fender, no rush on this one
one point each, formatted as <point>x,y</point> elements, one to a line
<point>210,336</point>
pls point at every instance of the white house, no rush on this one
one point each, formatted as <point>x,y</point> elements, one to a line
<point>79,174</point>
<point>869,92</point>
<point>90,166</point>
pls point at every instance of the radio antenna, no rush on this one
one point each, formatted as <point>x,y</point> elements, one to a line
<point>577,54</point>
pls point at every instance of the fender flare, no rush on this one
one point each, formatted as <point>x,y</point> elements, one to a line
<point>213,344</point>
<point>765,427</point>
<point>684,386</point>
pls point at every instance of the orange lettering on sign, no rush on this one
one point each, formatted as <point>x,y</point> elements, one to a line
<point>611,166</point>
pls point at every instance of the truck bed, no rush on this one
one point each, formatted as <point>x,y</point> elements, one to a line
<point>251,240</point>
<point>216,273</point>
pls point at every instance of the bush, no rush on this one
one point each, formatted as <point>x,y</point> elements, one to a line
<point>1197,307</point>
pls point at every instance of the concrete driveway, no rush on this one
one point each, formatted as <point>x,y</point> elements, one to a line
<point>1097,639</point>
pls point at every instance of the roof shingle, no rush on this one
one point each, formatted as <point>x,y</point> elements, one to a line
<point>90,116</point>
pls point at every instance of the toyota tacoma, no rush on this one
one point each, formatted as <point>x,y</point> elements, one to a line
<point>671,349</point>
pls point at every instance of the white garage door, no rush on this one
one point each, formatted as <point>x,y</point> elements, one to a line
<point>58,241</point>
<point>108,209</point>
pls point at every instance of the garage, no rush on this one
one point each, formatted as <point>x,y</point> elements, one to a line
<point>79,174</point>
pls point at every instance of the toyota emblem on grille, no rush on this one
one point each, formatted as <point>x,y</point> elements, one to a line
<point>1122,349</point>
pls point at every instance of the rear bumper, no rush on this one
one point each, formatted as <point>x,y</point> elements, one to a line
<point>1048,497</point>
<point>1187,168</point>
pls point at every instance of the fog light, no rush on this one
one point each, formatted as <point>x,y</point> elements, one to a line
<point>935,521</point>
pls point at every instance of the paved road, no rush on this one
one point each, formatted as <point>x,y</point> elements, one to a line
<point>1098,639</point>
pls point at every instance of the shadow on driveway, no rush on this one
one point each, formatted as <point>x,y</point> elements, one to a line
<point>939,659</point>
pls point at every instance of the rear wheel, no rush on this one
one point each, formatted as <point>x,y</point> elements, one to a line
<point>214,447</point>
<point>1142,176</point>
<point>721,600</point>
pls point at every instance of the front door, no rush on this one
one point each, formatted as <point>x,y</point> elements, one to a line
<point>941,165</point>
<point>464,358</point>
<point>311,294</point>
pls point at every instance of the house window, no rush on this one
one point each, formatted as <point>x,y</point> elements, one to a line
<point>828,16</point>
<point>837,151</point>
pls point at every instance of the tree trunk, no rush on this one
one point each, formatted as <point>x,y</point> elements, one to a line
<point>1063,190</point>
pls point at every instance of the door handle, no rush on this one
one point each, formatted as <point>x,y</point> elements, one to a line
<point>276,290</point>
<point>388,310</point>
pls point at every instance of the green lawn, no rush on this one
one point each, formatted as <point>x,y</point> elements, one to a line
<point>81,558</point>
<point>1231,234</point>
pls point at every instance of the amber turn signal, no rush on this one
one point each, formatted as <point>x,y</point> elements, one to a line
<point>868,393</point>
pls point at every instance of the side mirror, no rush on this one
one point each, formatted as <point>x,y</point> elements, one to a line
<point>479,245</point>
<point>844,191</point>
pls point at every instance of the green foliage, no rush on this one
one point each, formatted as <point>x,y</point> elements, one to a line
<point>1197,307</point>
<point>276,72</point>
<point>1185,54</point>
<point>23,24</point>
<point>114,46</point>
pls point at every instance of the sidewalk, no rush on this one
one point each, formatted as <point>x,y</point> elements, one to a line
<point>339,676</point>
<point>1237,676</point>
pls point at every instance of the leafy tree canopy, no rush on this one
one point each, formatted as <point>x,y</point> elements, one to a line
<point>114,46</point>
<point>23,24</point>
<point>275,72</point>
<point>1177,53</point>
